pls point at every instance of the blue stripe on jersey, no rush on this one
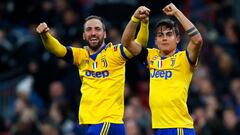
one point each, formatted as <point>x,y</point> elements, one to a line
<point>122,52</point>
<point>175,131</point>
<point>189,60</point>
<point>94,56</point>
<point>106,129</point>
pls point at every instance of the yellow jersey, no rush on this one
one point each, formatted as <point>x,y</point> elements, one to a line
<point>170,78</point>
<point>103,77</point>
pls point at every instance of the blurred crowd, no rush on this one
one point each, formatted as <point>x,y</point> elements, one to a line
<point>39,93</point>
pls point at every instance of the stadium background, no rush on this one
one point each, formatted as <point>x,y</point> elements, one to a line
<point>39,94</point>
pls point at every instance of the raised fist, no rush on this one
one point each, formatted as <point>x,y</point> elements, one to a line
<point>142,13</point>
<point>170,9</point>
<point>42,28</point>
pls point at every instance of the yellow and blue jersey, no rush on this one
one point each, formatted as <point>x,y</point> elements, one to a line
<point>103,77</point>
<point>170,78</point>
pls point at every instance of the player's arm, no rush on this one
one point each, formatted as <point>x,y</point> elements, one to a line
<point>128,38</point>
<point>143,33</point>
<point>195,44</point>
<point>50,43</point>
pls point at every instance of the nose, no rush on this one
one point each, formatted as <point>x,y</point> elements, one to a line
<point>93,32</point>
<point>164,37</point>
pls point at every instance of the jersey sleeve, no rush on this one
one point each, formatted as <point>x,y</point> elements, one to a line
<point>125,53</point>
<point>68,56</point>
<point>74,55</point>
<point>189,66</point>
<point>120,53</point>
<point>189,60</point>
<point>79,54</point>
<point>150,54</point>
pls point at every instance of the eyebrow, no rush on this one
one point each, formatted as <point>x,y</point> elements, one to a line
<point>160,32</point>
<point>93,27</point>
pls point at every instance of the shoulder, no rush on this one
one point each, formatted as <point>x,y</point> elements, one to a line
<point>153,51</point>
<point>110,47</point>
<point>79,51</point>
<point>83,49</point>
<point>181,53</point>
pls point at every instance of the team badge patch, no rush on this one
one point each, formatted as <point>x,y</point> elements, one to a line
<point>95,65</point>
<point>173,61</point>
<point>115,47</point>
<point>151,62</point>
<point>155,57</point>
<point>159,64</point>
<point>104,61</point>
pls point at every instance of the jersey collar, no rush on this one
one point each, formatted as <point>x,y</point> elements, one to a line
<point>94,56</point>
<point>164,57</point>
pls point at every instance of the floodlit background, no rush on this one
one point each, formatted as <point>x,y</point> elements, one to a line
<point>39,94</point>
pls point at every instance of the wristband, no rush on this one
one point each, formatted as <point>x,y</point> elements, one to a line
<point>135,20</point>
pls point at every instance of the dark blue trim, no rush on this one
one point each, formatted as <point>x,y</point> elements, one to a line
<point>174,131</point>
<point>189,60</point>
<point>94,56</point>
<point>164,57</point>
<point>69,55</point>
<point>122,52</point>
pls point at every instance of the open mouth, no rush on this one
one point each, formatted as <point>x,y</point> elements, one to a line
<point>93,40</point>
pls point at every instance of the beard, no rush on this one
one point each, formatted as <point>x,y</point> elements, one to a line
<point>95,46</point>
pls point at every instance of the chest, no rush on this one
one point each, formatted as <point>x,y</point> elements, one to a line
<point>169,63</point>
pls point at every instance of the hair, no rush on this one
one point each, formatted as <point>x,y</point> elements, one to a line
<point>169,23</point>
<point>95,17</point>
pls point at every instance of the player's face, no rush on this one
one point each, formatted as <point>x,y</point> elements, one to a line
<point>166,39</point>
<point>94,34</point>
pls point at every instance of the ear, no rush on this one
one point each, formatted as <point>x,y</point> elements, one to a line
<point>178,39</point>
<point>83,35</point>
<point>105,35</point>
<point>156,39</point>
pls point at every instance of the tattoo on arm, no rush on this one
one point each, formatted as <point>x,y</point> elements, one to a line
<point>192,32</point>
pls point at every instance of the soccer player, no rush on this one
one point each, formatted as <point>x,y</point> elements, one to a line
<point>170,71</point>
<point>102,72</point>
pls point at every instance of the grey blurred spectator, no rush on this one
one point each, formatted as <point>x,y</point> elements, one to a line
<point>70,30</point>
<point>48,127</point>
<point>27,123</point>
<point>59,114</point>
<point>114,35</point>
<point>200,120</point>
<point>215,85</point>
<point>122,10</point>
<point>231,125</point>
<point>56,91</point>
<point>132,128</point>
<point>235,95</point>
<point>136,113</point>
<point>6,50</point>
<point>24,89</point>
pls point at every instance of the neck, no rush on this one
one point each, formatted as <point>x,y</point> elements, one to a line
<point>167,53</point>
<point>91,51</point>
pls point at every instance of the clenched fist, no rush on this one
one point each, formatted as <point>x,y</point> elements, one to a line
<point>42,28</point>
<point>170,9</point>
<point>142,13</point>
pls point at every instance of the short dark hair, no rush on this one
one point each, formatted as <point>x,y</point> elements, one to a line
<point>169,23</point>
<point>95,17</point>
